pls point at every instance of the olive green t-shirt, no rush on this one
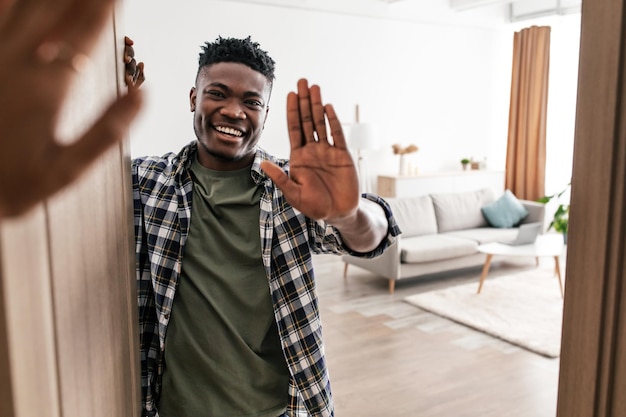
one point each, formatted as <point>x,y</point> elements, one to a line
<point>222,351</point>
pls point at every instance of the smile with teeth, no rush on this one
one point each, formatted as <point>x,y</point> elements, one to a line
<point>229,131</point>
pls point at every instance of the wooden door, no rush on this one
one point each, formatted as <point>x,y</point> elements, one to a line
<point>592,381</point>
<point>68,325</point>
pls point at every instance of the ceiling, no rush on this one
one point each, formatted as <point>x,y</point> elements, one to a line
<point>522,9</point>
<point>472,12</point>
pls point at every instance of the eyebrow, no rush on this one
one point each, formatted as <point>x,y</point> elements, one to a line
<point>246,94</point>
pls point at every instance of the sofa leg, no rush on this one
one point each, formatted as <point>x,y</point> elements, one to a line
<point>345,271</point>
<point>392,286</point>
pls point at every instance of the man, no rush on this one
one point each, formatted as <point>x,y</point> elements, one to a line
<point>225,235</point>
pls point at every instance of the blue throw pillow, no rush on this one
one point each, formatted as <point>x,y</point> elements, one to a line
<point>506,211</point>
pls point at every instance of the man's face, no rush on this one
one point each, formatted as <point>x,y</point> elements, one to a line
<point>230,105</point>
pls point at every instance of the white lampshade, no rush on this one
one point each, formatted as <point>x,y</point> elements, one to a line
<point>362,137</point>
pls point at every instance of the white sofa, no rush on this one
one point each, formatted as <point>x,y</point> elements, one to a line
<point>441,232</point>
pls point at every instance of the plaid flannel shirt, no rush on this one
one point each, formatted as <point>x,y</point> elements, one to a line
<point>162,193</point>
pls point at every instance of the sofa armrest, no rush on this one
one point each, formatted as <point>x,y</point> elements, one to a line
<point>536,212</point>
<point>387,264</point>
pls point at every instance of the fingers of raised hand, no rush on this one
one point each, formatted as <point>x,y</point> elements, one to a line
<point>306,118</point>
<point>134,72</point>
<point>61,54</point>
<point>52,35</point>
<point>129,51</point>
<point>75,23</point>
<point>72,160</point>
<point>319,117</point>
<point>135,76</point>
<point>312,117</point>
<point>339,140</point>
<point>29,22</point>
<point>48,166</point>
<point>140,76</point>
<point>294,124</point>
<point>289,188</point>
<point>83,22</point>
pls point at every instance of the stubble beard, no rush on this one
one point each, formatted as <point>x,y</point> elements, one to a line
<point>217,155</point>
<point>220,156</point>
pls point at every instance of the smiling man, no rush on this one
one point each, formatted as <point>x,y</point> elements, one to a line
<point>230,103</point>
<point>225,234</point>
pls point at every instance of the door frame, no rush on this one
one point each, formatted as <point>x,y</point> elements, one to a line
<point>592,379</point>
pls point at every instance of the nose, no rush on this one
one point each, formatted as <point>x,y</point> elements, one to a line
<point>233,109</point>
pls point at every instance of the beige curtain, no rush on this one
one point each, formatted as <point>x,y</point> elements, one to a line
<point>526,146</point>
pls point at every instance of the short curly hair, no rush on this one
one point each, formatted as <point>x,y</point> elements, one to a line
<point>243,51</point>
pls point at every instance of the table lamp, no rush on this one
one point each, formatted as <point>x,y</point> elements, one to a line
<point>362,137</point>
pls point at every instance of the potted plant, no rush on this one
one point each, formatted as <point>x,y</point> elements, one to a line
<point>560,219</point>
<point>465,162</point>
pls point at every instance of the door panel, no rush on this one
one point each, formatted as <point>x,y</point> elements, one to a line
<point>593,370</point>
<point>68,286</point>
<point>30,363</point>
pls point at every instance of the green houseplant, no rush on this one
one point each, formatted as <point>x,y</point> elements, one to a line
<point>560,219</point>
<point>465,162</point>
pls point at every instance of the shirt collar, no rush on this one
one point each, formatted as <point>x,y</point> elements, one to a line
<point>258,175</point>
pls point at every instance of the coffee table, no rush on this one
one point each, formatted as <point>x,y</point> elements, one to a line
<point>550,244</point>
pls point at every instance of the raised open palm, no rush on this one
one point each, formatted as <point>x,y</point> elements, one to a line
<point>322,181</point>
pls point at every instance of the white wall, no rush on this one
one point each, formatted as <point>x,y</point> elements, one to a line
<point>442,86</point>
<point>565,39</point>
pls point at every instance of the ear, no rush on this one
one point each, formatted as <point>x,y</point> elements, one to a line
<point>267,111</point>
<point>192,99</point>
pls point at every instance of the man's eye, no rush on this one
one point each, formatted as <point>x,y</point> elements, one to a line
<point>255,103</point>
<point>215,93</point>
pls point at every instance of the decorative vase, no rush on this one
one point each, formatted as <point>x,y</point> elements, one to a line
<point>403,167</point>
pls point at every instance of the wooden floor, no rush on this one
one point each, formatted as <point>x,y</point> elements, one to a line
<point>388,358</point>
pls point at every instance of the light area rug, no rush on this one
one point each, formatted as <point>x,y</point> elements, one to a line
<point>525,308</point>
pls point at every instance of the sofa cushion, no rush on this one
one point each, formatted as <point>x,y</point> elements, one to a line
<point>484,235</point>
<point>507,211</point>
<point>414,215</point>
<point>458,211</point>
<point>436,247</point>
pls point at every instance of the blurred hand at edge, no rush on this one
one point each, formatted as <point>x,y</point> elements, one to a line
<point>45,45</point>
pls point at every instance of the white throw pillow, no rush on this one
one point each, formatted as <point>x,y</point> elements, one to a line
<point>414,215</point>
<point>458,211</point>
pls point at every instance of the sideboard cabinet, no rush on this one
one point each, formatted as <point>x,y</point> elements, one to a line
<point>439,182</point>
